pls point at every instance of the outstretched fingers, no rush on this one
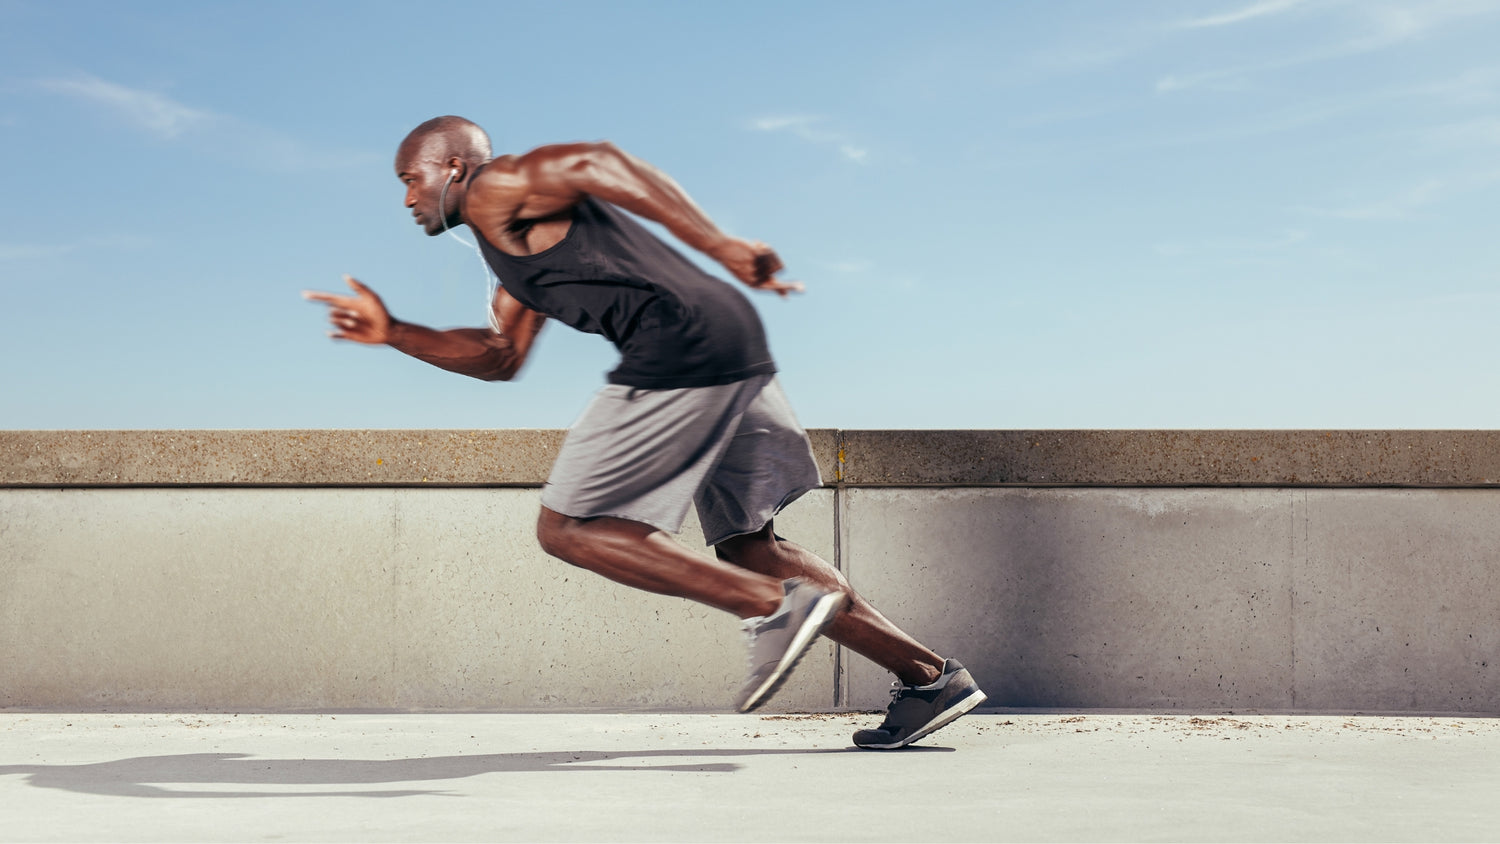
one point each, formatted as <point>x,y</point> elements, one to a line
<point>360,317</point>
<point>338,300</point>
<point>340,311</point>
<point>331,299</point>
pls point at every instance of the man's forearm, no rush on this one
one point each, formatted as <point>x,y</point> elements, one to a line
<point>475,352</point>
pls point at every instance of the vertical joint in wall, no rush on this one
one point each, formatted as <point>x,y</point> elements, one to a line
<point>840,689</point>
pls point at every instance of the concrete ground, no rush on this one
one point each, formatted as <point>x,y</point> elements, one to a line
<point>703,777</point>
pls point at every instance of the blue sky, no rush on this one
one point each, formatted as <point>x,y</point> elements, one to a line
<point>1212,214</point>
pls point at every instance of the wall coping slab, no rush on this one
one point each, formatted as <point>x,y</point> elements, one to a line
<point>848,458</point>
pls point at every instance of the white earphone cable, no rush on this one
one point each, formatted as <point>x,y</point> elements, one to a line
<point>492,283</point>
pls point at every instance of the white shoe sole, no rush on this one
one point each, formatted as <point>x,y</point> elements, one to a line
<point>947,717</point>
<point>822,611</point>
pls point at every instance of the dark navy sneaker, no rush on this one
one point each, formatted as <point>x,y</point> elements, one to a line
<point>778,641</point>
<point>916,711</point>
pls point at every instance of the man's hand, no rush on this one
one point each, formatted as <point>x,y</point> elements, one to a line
<point>361,317</point>
<point>754,263</point>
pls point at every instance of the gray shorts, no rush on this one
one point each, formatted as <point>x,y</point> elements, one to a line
<point>734,450</point>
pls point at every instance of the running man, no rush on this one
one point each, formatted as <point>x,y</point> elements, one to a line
<point>693,415</point>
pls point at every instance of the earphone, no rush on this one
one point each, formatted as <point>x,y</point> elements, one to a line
<point>494,282</point>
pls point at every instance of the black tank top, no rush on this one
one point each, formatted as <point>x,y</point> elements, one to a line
<point>674,324</point>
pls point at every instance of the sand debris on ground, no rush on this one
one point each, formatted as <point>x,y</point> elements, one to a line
<point>1182,727</point>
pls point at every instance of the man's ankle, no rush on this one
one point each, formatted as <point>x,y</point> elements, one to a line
<point>766,604</point>
<point>921,674</point>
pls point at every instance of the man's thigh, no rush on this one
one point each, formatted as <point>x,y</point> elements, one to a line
<point>642,455</point>
<point>767,465</point>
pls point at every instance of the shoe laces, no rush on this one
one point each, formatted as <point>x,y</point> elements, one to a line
<point>898,690</point>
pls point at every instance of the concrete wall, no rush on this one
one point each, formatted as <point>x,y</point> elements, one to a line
<point>1272,571</point>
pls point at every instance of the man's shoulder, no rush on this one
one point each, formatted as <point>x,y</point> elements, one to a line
<point>499,174</point>
<point>536,185</point>
<point>496,192</point>
<point>517,176</point>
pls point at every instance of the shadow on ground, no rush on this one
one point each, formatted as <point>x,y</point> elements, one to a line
<point>146,776</point>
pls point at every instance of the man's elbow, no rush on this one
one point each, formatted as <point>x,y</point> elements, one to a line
<point>498,368</point>
<point>504,372</point>
<point>503,362</point>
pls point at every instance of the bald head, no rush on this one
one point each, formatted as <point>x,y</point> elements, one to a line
<point>435,163</point>
<point>441,139</point>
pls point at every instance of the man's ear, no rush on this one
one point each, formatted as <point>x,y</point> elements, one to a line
<point>458,168</point>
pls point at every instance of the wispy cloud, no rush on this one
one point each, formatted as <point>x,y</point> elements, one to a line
<point>170,120</point>
<point>1086,57</point>
<point>1248,13</point>
<point>156,113</point>
<point>1375,26</point>
<point>1122,42</point>
<point>1387,24</point>
<point>1238,77</point>
<point>854,153</point>
<point>1226,79</point>
<point>1483,133</point>
<point>1275,243</point>
<point>1069,114</point>
<point>40,251</point>
<point>1476,86</point>
<point>811,129</point>
<point>777,124</point>
<point>29,251</point>
<point>1398,206</point>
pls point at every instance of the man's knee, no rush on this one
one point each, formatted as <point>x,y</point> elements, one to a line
<point>555,532</point>
<point>738,549</point>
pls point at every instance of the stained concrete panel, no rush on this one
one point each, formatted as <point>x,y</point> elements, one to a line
<point>487,621</point>
<point>398,569</point>
<point>123,599</point>
<point>1398,597</point>
<point>1157,598</point>
<point>245,599</point>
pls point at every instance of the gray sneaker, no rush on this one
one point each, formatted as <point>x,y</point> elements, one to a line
<point>778,641</point>
<point>916,711</point>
